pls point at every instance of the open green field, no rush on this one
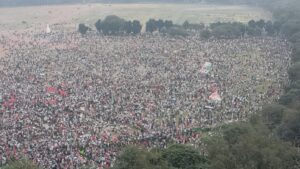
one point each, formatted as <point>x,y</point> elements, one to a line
<point>38,16</point>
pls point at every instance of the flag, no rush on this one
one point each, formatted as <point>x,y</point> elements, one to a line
<point>215,96</point>
<point>51,89</point>
<point>62,93</point>
<point>206,68</point>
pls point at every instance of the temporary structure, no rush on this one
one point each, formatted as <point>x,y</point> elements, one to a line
<point>48,30</point>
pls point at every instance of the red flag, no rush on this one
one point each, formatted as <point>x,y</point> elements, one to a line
<point>51,89</point>
<point>62,93</point>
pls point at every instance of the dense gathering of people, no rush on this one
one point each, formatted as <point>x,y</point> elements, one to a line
<point>68,100</point>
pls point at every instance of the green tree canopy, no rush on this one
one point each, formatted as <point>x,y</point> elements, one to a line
<point>137,158</point>
<point>82,28</point>
<point>184,157</point>
<point>243,146</point>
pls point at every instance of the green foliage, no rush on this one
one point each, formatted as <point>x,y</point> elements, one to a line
<point>252,24</point>
<point>205,34</point>
<point>83,29</point>
<point>128,27</point>
<point>269,27</point>
<point>294,72</point>
<point>151,26</point>
<point>295,38</point>
<point>272,115</point>
<point>174,157</point>
<point>291,27</point>
<point>242,145</point>
<point>296,51</point>
<point>176,31</point>
<point>291,98</point>
<point>136,158</point>
<point>114,25</point>
<point>158,25</point>
<point>289,130</point>
<point>136,27</point>
<point>184,157</point>
<point>228,30</point>
<point>21,164</point>
<point>98,25</point>
<point>261,23</point>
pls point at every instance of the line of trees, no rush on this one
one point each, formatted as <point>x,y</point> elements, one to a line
<point>114,25</point>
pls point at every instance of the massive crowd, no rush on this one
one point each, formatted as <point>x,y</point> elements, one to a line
<point>68,100</point>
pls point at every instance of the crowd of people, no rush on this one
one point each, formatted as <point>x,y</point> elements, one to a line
<point>68,101</point>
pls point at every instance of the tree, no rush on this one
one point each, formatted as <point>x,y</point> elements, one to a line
<point>294,72</point>
<point>290,27</point>
<point>112,25</point>
<point>205,34</point>
<point>261,23</point>
<point>83,29</point>
<point>160,24</point>
<point>253,31</point>
<point>272,115</point>
<point>184,157</point>
<point>98,25</point>
<point>186,24</point>
<point>242,145</point>
<point>176,31</point>
<point>168,24</point>
<point>128,26</point>
<point>136,27</point>
<point>137,158</point>
<point>291,98</point>
<point>228,30</point>
<point>269,28</point>
<point>151,25</point>
<point>252,24</point>
<point>277,26</point>
<point>289,130</point>
<point>295,38</point>
<point>296,52</point>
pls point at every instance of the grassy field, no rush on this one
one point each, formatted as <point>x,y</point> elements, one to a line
<point>38,16</point>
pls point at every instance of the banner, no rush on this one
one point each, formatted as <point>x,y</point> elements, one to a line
<point>215,97</point>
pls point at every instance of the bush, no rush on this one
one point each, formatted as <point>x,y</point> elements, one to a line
<point>83,29</point>
<point>290,27</point>
<point>290,97</point>
<point>289,130</point>
<point>183,157</point>
<point>294,72</point>
<point>176,31</point>
<point>296,52</point>
<point>272,115</point>
<point>228,30</point>
<point>206,34</point>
